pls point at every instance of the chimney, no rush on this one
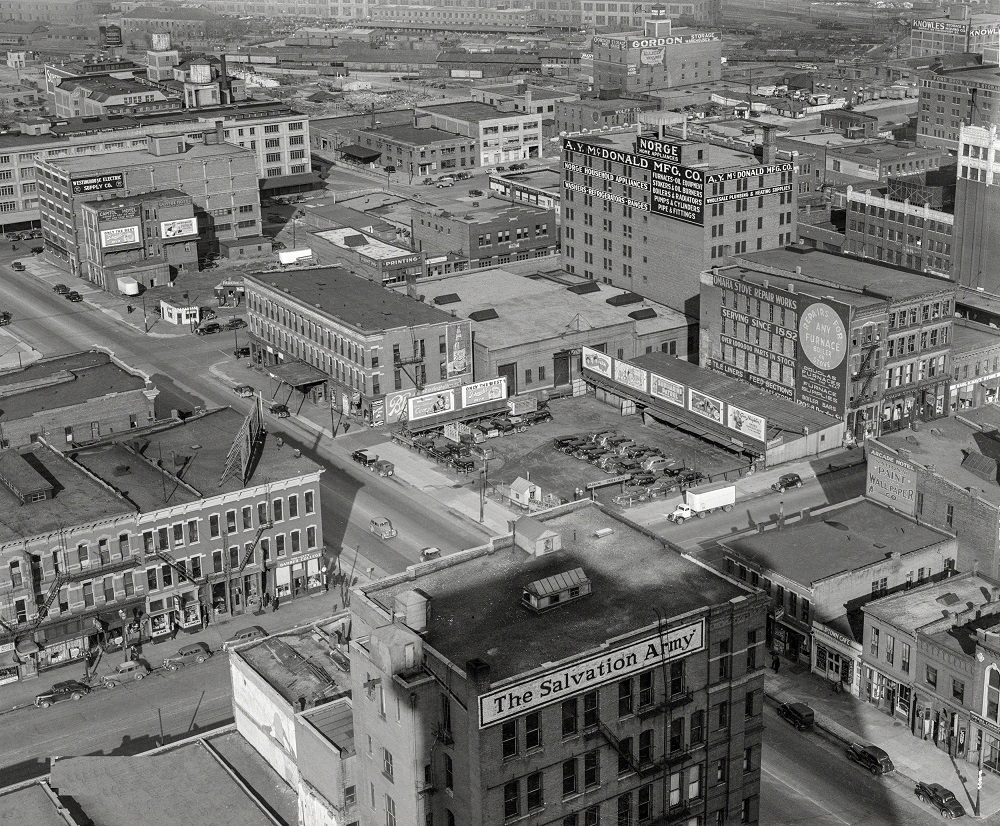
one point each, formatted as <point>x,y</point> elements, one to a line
<point>226,88</point>
<point>770,148</point>
<point>219,131</point>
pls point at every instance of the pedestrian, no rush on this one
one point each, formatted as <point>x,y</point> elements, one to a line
<point>173,630</point>
<point>775,663</point>
<point>267,599</point>
<point>274,604</point>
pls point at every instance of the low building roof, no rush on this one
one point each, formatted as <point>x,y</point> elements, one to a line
<point>128,159</point>
<point>30,804</point>
<point>335,721</point>
<point>353,240</point>
<point>65,389</point>
<point>913,609</point>
<point>471,111</point>
<point>834,541</point>
<point>416,136</point>
<point>967,337</point>
<point>480,592</point>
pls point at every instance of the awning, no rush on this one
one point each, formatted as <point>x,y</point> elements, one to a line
<point>27,647</point>
<point>282,181</point>
<point>360,153</point>
<point>991,384</point>
<point>297,374</point>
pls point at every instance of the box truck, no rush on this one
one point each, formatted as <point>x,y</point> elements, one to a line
<point>128,286</point>
<point>700,503</point>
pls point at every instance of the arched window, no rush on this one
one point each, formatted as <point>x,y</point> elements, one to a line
<point>992,700</point>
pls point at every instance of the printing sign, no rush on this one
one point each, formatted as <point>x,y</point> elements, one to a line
<point>575,678</point>
<point>119,237</point>
<point>630,376</point>
<point>746,424</point>
<point>704,405</point>
<point>892,481</point>
<point>179,228</point>
<point>484,391</point>
<point>98,183</point>
<point>430,404</point>
<point>597,361</point>
<point>669,391</point>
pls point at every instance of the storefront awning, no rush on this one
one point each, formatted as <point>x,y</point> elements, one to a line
<point>360,153</point>
<point>297,374</point>
<point>284,181</point>
<point>27,647</point>
<point>991,384</point>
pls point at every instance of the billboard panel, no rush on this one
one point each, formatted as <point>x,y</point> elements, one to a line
<point>745,423</point>
<point>821,380</point>
<point>430,404</point>
<point>652,57</point>
<point>704,405</point>
<point>98,183</point>
<point>892,481</point>
<point>179,228</point>
<point>669,391</point>
<point>484,391</point>
<point>119,237</point>
<point>112,35</point>
<point>597,361</point>
<point>631,376</point>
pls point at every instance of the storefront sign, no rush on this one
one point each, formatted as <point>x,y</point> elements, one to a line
<point>567,681</point>
<point>597,361</point>
<point>117,214</point>
<point>179,228</point>
<point>704,405</point>
<point>484,391</point>
<point>892,481</point>
<point>98,183</point>
<point>119,237</point>
<point>430,404</point>
<point>7,646</point>
<point>112,35</point>
<point>984,31</point>
<point>745,423</point>
<point>669,391</point>
<point>835,636</point>
<point>631,376</point>
<point>8,675</point>
<point>398,263</point>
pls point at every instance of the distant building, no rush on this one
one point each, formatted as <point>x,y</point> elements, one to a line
<point>51,11</point>
<point>184,22</point>
<point>951,98</point>
<point>523,97</point>
<point>414,149</point>
<point>538,187</point>
<point>500,136</point>
<point>452,17</point>
<point>603,110</point>
<point>367,255</point>
<point>959,31</point>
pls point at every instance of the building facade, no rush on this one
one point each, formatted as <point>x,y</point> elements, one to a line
<point>960,31</point>
<point>977,200</point>
<point>500,136</point>
<point>419,149</point>
<point>953,98</point>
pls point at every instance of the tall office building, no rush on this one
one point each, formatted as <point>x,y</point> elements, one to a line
<point>977,209</point>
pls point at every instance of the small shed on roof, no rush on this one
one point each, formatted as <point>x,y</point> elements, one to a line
<point>536,537</point>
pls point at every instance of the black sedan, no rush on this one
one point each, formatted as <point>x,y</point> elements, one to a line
<point>73,296</point>
<point>940,798</point>
<point>66,690</point>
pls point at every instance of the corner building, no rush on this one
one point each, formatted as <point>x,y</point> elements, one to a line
<point>576,673</point>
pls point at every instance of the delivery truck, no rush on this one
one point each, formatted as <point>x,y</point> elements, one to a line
<point>702,502</point>
<point>128,286</point>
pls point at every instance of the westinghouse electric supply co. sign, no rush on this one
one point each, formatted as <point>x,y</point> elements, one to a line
<point>560,683</point>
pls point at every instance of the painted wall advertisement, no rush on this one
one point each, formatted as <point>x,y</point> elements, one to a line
<point>395,404</point>
<point>616,664</point>
<point>821,380</point>
<point>704,405</point>
<point>119,237</point>
<point>746,423</point>
<point>179,228</point>
<point>98,183</point>
<point>630,375</point>
<point>459,358</point>
<point>597,361</point>
<point>892,481</point>
<point>652,57</point>
<point>122,213</point>
<point>669,391</point>
<point>378,412</point>
<point>484,391</point>
<point>430,404</point>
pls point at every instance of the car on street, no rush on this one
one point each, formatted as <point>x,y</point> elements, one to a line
<point>476,193</point>
<point>65,690</point>
<point>277,245</point>
<point>871,757</point>
<point>280,410</point>
<point>17,266</point>
<point>206,313</point>
<point>73,296</point>
<point>208,329</point>
<point>239,352</point>
<point>798,714</point>
<point>126,672</point>
<point>430,553</point>
<point>383,467</point>
<point>787,480</point>
<point>514,167</point>
<point>940,798</point>
<point>251,632</point>
<point>244,391</point>
<point>363,458</point>
<point>61,289</point>
<point>538,416</point>
<point>690,477</point>
<point>442,184</point>
<point>37,250</point>
<point>235,324</point>
<point>463,464</point>
<point>5,318</point>
<point>186,655</point>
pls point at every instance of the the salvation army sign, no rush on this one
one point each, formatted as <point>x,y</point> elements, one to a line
<point>561,683</point>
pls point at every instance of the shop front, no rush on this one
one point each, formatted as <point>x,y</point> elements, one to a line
<point>985,743</point>
<point>886,693</point>
<point>180,611</point>
<point>835,658</point>
<point>300,575</point>
<point>788,638</point>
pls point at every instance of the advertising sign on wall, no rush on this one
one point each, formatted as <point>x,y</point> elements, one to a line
<point>669,391</point>
<point>892,481</point>
<point>112,35</point>
<point>652,57</point>
<point>378,412</point>
<point>597,361</point>
<point>119,236</point>
<point>179,228</point>
<point>661,150</point>
<point>616,664</point>
<point>484,391</point>
<point>747,424</point>
<point>98,183</point>
<point>677,192</point>
<point>631,376</point>
<point>118,214</point>
<point>822,365</point>
<point>458,360</point>
<point>430,404</point>
<point>395,404</point>
<point>704,405</point>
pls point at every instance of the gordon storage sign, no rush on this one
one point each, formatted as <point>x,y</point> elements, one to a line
<point>561,683</point>
<point>892,481</point>
<point>98,183</point>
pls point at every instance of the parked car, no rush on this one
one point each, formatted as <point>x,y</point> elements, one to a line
<point>195,653</point>
<point>235,324</point>
<point>689,477</point>
<point>516,166</point>
<point>244,391</point>
<point>208,329</point>
<point>463,464</point>
<point>476,193</point>
<point>17,266</point>
<point>5,318</point>
<point>73,296</point>
<point>563,442</point>
<point>430,553</point>
<point>798,714</point>
<point>129,671</point>
<point>37,250</point>
<point>207,313</point>
<point>277,245</point>
<point>538,416</point>
<point>442,184</point>
<point>383,467</point>
<point>280,410</point>
<point>65,690</point>
<point>643,478</point>
<point>251,632</point>
<point>939,797</point>
<point>239,352</point>
<point>61,289</point>
<point>363,458</point>
<point>787,480</point>
<point>870,757</point>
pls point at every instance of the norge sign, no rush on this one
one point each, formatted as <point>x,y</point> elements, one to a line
<point>616,664</point>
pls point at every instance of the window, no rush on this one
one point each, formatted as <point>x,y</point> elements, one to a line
<point>625,809</point>
<point>676,734</point>
<point>231,521</point>
<point>511,799</point>
<point>645,803</point>
<point>592,765</point>
<point>247,517</point>
<point>293,506</point>
<point>532,731</point>
<point>694,782</point>
<point>449,773</point>
<point>890,648</point>
<point>508,739</point>
<point>390,811</point>
<point>624,755</point>
<point>904,657</point>
<point>874,642</point>
<point>569,777</point>
<point>590,715</point>
<point>748,705</point>
<point>569,721</point>
<point>387,763</point>
<point>722,714</point>
<point>931,677</point>
<point>645,747</point>
<point>309,497</point>
<point>277,508</point>
<point>958,690</point>
<point>993,695</point>
<point>645,689</point>
<point>625,697</point>
<point>697,726</point>
<point>747,759</point>
<point>534,788</point>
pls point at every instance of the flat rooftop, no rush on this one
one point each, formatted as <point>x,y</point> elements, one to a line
<point>335,721</point>
<point>470,111</point>
<point>719,157</point>
<point>945,443</point>
<point>193,455</point>
<point>834,271</point>
<point>480,594</point>
<point>978,300</point>
<point>535,308</point>
<point>145,197</point>
<point>77,499</point>
<point>416,136</point>
<point>29,804</point>
<point>354,301</point>
<point>515,90</point>
<point>835,541</point>
<point>374,248</point>
<point>913,609</point>
<point>488,211</point>
<point>966,337</point>
<point>125,160</point>
<point>391,117</point>
<point>544,178</point>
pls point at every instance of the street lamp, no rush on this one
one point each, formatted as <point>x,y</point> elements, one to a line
<point>295,216</point>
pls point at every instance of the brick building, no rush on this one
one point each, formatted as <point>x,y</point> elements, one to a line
<point>975,364</point>
<point>500,136</point>
<point>958,32</point>
<point>605,109</point>
<point>413,149</point>
<point>577,711</point>
<point>977,204</point>
<point>951,98</point>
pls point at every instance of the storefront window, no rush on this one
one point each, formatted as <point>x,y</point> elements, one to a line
<point>993,696</point>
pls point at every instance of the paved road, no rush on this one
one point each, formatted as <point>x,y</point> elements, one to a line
<point>805,779</point>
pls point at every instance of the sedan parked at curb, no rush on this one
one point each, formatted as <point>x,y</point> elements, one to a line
<point>244,391</point>
<point>871,757</point>
<point>251,632</point>
<point>65,690</point>
<point>940,798</point>
<point>195,653</point>
<point>787,480</point>
<point>798,714</point>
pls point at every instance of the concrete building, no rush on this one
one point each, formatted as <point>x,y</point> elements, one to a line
<point>523,97</point>
<point>977,200</point>
<point>71,400</point>
<point>537,187</point>
<point>862,342</point>
<point>656,57</point>
<point>633,219</point>
<point>500,136</point>
<point>572,705</point>
<point>803,585</point>
<point>219,178</point>
<point>469,18</point>
<point>184,23</point>
<point>494,232</point>
<point>960,31</point>
<point>50,11</point>
<point>365,254</point>
<point>342,340</point>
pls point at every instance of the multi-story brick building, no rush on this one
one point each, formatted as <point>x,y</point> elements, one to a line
<point>500,136</point>
<point>334,336</point>
<point>55,11</point>
<point>857,340</point>
<point>959,31</point>
<point>417,148</point>
<point>219,178</point>
<point>576,710</point>
<point>607,108</point>
<point>975,364</point>
<point>310,9</point>
<point>649,214</point>
<point>953,98</point>
<point>977,223</point>
<point>463,18</point>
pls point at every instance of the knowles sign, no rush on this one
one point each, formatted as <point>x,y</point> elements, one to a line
<point>561,683</point>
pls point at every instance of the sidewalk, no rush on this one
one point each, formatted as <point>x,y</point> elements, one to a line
<point>850,719</point>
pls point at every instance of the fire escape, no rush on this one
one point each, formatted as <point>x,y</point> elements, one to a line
<point>253,545</point>
<point>63,578</point>
<point>867,373</point>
